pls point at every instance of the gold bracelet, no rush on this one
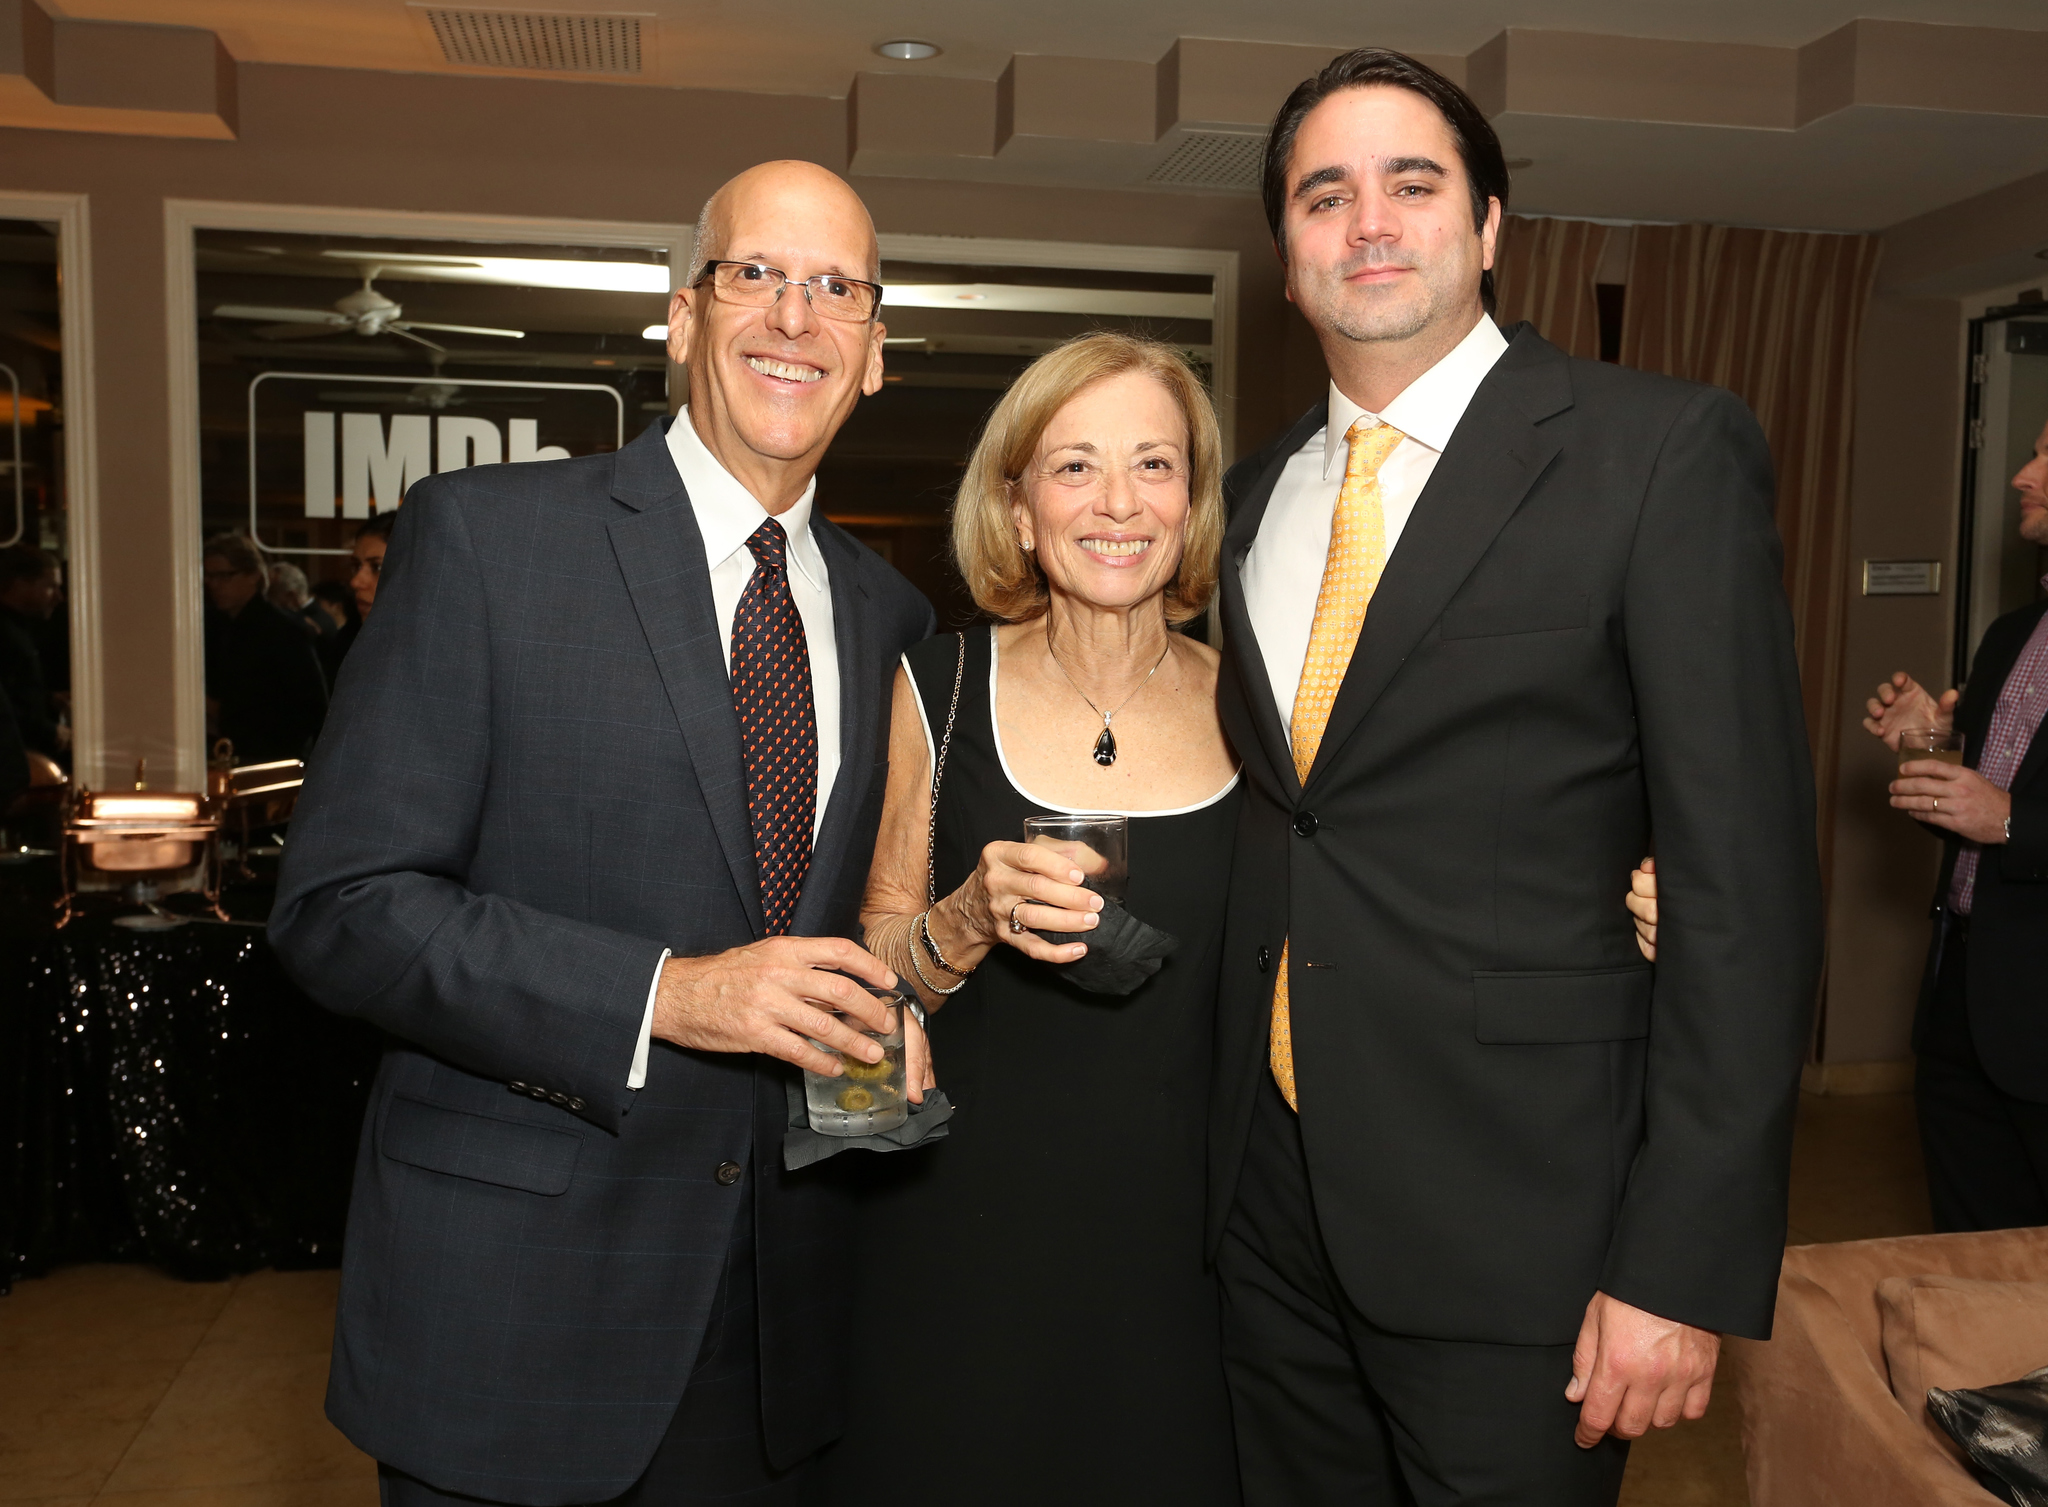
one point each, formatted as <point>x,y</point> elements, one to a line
<point>924,930</point>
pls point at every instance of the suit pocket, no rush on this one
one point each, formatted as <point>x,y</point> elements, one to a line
<point>531,1158</point>
<point>1526,1009</point>
<point>1550,614</point>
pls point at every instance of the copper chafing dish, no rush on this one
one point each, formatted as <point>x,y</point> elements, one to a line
<point>140,843</point>
<point>253,799</point>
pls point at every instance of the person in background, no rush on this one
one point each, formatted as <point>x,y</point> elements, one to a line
<point>1980,1034</point>
<point>264,689</point>
<point>338,602</point>
<point>290,594</point>
<point>372,540</point>
<point>29,594</point>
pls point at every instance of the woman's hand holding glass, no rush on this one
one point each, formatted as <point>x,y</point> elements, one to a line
<point>1037,884</point>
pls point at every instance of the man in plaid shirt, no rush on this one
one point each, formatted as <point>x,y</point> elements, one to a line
<point>1982,1029</point>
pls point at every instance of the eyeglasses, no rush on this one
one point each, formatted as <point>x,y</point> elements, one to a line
<point>1083,474</point>
<point>752,285</point>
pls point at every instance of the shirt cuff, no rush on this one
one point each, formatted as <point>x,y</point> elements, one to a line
<point>637,1078</point>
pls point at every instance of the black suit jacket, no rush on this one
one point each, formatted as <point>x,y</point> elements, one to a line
<point>530,784</point>
<point>1579,648</point>
<point>2006,982</point>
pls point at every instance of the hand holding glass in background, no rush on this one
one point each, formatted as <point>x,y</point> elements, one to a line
<point>1936,743</point>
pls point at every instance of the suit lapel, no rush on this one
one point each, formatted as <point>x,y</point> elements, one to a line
<point>1252,718</point>
<point>1494,457</point>
<point>661,554</point>
<point>859,711</point>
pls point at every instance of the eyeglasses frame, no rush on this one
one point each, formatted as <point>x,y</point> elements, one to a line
<point>710,270</point>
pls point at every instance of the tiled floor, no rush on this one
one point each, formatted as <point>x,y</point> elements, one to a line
<point>123,1387</point>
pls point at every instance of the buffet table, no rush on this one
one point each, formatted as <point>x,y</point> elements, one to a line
<point>168,1096</point>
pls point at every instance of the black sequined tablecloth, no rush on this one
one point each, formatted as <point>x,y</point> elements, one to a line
<point>171,1097</point>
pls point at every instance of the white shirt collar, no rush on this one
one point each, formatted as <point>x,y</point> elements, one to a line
<point>1428,409</point>
<point>727,513</point>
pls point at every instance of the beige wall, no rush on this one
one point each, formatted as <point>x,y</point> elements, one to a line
<point>1902,507</point>
<point>488,146</point>
<point>1938,270</point>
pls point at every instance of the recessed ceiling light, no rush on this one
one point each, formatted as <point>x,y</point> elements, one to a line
<point>655,332</point>
<point>903,50</point>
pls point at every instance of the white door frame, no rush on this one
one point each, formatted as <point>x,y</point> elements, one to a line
<point>184,216</point>
<point>69,213</point>
<point>1219,266</point>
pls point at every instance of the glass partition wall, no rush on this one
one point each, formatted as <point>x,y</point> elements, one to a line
<point>35,646</point>
<point>337,370</point>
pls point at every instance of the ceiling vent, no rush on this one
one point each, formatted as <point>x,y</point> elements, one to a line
<point>1212,159</point>
<point>554,43</point>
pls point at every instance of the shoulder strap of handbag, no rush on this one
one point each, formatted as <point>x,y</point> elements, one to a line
<point>931,844</point>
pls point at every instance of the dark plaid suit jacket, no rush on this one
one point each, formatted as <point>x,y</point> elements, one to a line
<point>530,784</point>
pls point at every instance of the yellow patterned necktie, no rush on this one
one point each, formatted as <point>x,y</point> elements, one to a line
<point>1351,573</point>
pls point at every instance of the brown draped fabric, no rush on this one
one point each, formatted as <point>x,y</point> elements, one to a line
<point>1773,315</point>
<point>1543,272</point>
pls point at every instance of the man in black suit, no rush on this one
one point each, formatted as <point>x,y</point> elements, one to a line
<point>1486,1186</point>
<point>1982,1082</point>
<point>265,692</point>
<point>588,833</point>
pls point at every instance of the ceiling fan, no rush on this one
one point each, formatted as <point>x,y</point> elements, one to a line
<point>366,312</point>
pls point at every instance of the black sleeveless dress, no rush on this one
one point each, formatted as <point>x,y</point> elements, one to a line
<point>1032,1295</point>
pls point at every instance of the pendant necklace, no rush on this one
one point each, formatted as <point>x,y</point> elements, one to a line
<point>1105,746</point>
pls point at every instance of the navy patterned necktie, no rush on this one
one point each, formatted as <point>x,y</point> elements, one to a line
<point>771,691</point>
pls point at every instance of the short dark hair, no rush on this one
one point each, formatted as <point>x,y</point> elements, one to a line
<point>1486,169</point>
<point>239,550</point>
<point>378,526</point>
<point>24,562</point>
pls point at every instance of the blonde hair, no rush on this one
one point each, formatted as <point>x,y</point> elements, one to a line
<point>1002,575</point>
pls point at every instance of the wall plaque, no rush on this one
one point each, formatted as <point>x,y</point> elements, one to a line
<point>1901,578</point>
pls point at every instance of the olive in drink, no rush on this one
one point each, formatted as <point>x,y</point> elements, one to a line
<point>867,1097</point>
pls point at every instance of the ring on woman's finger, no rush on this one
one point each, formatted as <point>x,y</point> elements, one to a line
<point>1937,803</point>
<point>1018,927</point>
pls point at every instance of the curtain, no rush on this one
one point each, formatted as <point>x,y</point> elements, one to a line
<point>1543,272</point>
<point>1773,315</point>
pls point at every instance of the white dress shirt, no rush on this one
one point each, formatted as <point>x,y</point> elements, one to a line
<point>727,516</point>
<point>1283,570</point>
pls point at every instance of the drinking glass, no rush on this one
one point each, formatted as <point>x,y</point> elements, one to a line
<point>1930,743</point>
<point>868,1097</point>
<point>1105,840</point>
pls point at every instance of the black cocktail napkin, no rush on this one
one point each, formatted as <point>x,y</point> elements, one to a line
<point>1123,952</point>
<point>802,1145</point>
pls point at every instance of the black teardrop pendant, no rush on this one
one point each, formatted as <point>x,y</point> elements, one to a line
<point>1105,747</point>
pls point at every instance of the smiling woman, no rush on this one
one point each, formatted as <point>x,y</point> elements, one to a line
<point>1089,523</point>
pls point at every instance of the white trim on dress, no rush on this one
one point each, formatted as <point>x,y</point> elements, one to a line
<point>995,724</point>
